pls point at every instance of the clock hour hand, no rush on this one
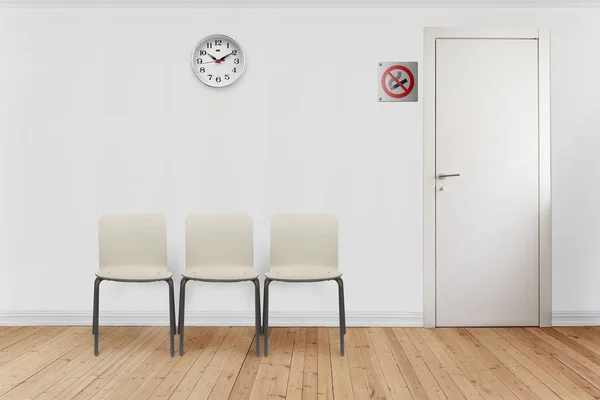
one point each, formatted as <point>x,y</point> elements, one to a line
<point>211,56</point>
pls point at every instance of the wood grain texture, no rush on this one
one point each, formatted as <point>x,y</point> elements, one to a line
<point>304,363</point>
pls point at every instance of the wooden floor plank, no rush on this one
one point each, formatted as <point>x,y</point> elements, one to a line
<point>509,379</point>
<point>138,376</point>
<point>570,362</point>
<point>112,377</point>
<point>437,370</point>
<point>373,371</point>
<point>268,367</point>
<point>80,379</point>
<point>75,377</point>
<point>230,372</point>
<point>194,348</point>
<point>31,362</point>
<point>209,378</point>
<point>358,377</point>
<point>552,366</point>
<point>410,376</point>
<point>573,352</point>
<point>194,374</point>
<point>161,369</point>
<point>486,375</point>
<point>342,385</point>
<point>519,366</point>
<point>324,379</point>
<point>389,368</point>
<point>16,335</point>
<point>283,360</point>
<point>468,388</point>
<point>304,363</point>
<point>27,344</point>
<point>485,389</point>
<point>432,388</point>
<point>245,380</point>
<point>311,355</point>
<point>63,365</point>
<point>295,380</point>
<point>582,337</point>
<point>574,346</point>
<point>537,371</point>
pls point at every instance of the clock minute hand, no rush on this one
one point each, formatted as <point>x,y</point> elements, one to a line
<point>224,57</point>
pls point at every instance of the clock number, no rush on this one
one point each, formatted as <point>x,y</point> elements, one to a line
<point>202,52</point>
<point>218,42</point>
<point>209,77</point>
<point>236,61</point>
<point>208,45</point>
<point>227,44</point>
<point>202,70</point>
<point>226,77</point>
<point>199,60</point>
<point>218,79</point>
<point>235,70</point>
<point>234,53</point>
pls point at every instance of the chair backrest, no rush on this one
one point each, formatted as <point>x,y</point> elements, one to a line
<point>132,240</point>
<point>219,240</point>
<point>304,239</point>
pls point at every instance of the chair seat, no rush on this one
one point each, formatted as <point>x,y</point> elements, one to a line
<point>303,273</point>
<point>134,273</point>
<point>221,273</point>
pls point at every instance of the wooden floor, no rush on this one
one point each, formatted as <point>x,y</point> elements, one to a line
<point>304,363</point>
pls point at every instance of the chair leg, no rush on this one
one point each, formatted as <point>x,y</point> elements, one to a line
<point>266,316</point>
<point>181,313</point>
<point>340,283</point>
<point>95,315</point>
<point>257,314</point>
<point>260,325</point>
<point>171,315</point>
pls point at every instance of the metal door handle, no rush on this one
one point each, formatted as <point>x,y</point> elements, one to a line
<point>442,176</point>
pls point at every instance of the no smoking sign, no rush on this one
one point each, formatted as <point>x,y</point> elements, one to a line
<point>397,81</point>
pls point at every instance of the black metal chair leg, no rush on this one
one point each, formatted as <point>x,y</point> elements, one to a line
<point>343,305</point>
<point>266,316</point>
<point>257,315</point>
<point>260,326</point>
<point>342,314</point>
<point>171,315</point>
<point>95,315</point>
<point>182,314</point>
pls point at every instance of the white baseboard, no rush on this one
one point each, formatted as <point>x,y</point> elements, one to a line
<point>219,318</point>
<point>575,318</point>
<point>276,318</point>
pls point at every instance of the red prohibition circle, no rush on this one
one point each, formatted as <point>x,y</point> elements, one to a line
<point>407,90</point>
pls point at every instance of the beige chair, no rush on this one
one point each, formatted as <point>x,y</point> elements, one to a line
<point>304,248</point>
<point>133,248</point>
<point>219,248</point>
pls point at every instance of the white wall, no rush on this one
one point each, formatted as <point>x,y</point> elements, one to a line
<point>100,113</point>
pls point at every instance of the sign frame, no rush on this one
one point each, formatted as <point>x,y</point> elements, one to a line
<point>397,81</point>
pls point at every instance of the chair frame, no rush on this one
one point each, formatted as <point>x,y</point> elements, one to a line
<point>95,317</point>
<point>342,307</point>
<point>181,325</point>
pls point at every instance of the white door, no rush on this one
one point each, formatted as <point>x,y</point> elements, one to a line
<point>487,270</point>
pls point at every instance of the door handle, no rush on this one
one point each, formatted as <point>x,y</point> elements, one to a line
<point>442,176</point>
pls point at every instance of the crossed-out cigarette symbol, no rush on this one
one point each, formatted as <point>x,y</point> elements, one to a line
<point>396,83</point>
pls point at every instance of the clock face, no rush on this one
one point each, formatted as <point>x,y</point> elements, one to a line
<point>218,61</point>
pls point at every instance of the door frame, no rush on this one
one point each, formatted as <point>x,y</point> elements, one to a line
<point>544,168</point>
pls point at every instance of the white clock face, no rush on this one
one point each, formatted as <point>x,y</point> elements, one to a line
<point>218,61</point>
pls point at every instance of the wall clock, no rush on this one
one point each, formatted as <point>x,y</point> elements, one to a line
<point>218,61</point>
